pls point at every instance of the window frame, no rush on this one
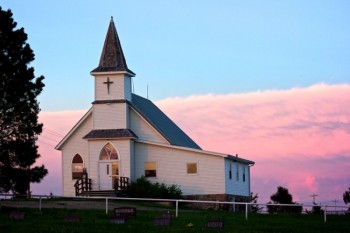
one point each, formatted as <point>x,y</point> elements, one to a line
<point>77,166</point>
<point>244,176</point>
<point>150,173</point>
<point>196,167</point>
<point>230,171</point>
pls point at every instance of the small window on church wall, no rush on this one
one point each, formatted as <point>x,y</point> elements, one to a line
<point>108,152</point>
<point>150,169</point>
<point>230,172</point>
<point>77,166</point>
<point>192,168</point>
<point>237,173</point>
<point>243,174</point>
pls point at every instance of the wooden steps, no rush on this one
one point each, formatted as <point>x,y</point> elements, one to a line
<point>103,193</point>
<point>98,193</point>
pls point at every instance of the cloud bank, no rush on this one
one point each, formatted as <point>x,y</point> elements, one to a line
<point>299,138</point>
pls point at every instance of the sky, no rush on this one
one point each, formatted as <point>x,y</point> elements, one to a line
<point>268,80</point>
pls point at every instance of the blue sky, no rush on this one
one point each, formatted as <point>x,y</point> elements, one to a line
<point>182,48</point>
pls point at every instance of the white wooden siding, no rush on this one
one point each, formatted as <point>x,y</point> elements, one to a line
<point>110,116</point>
<point>172,168</point>
<point>234,186</point>
<point>119,89</point>
<point>143,130</point>
<point>127,88</point>
<point>75,145</point>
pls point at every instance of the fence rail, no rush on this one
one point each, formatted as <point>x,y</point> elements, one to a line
<point>327,209</point>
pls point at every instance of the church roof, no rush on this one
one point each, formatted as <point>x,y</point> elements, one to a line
<point>112,57</point>
<point>163,124</point>
<point>109,134</point>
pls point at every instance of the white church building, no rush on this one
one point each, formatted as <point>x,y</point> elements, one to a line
<point>124,135</point>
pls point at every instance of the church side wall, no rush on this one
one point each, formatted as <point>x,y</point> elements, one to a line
<point>172,168</point>
<point>76,145</point>
<point>239,181</point>
<point>143,130</point>
<point>103,112</point>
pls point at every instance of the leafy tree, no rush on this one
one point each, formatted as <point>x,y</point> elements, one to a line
<point>19,110</point>
<point>282,196</point>
<point>346,196</point>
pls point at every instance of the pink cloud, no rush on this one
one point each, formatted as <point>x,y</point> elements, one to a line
<point>299,138</point>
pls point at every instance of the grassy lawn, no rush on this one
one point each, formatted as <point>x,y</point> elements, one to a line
<point>52,221</point>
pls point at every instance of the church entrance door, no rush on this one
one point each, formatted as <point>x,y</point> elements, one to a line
<point>108,172</point>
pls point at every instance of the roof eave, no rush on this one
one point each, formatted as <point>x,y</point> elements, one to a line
<point>110,138</point>
<point>238,159</point>
<point>97,73</point>
<point>225,156</point>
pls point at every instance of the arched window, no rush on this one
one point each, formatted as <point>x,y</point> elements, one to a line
<point>77,166</point>
<point>108,152</point>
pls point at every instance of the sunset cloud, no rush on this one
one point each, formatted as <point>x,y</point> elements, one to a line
<point>299,138</point>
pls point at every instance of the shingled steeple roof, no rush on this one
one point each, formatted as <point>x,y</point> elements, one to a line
<point>112,57</point>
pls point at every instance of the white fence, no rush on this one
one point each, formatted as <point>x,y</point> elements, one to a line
<point>327,209</point>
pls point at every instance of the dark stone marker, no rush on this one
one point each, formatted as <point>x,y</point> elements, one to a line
<point>127,212</point>
<point>72,218</point>
<point>117,220</point>
<point>163,220</point>
<point>121,214</point>
<point>215,223</point>
<point>17,215</point>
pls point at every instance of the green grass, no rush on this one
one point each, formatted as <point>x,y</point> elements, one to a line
<point>52,221</point>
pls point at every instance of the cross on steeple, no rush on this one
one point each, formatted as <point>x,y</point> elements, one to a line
<point>108,83</point>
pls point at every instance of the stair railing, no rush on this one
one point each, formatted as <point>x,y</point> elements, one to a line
<point>121,184</point>
<point>82,184</point>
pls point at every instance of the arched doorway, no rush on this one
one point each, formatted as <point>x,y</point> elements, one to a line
<point>108,167</point>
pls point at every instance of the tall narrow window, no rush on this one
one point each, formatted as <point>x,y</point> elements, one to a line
<point>77,166</point>
<point>230,171</point>
<point>150,169</point>
<point>237,173</point>
<point>108,152</point>
<point>243,174</point>
<point>192,168</point>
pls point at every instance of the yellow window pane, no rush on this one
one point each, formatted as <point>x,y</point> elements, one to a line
<point>150,166</point>
<point>192,168</point>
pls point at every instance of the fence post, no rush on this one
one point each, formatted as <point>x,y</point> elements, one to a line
<point>177,208</point>
<point>246,211</point>
<point>40,203</point>
<point>325,213</point>
<point>106,205</point>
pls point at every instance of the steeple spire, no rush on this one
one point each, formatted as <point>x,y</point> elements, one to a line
<point>112,57</point>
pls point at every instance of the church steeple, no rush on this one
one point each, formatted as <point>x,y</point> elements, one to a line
<point>112,57</point>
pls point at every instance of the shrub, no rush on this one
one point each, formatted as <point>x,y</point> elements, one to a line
<point>143,188</point>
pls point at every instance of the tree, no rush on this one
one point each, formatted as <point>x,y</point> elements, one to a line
<point>346,196</point>
<point>19,110</point>
<point>255,208</point>
<point>282,196</point>
<point>316,209</point>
